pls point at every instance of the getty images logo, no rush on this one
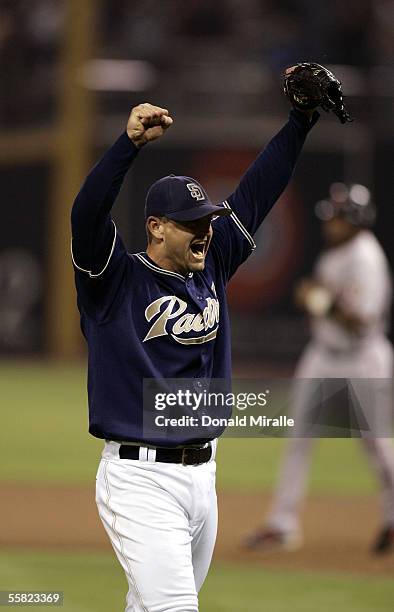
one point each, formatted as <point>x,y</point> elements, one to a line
<point>195,191</point>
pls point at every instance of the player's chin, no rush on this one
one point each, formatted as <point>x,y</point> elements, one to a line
<point>196,266</point>
<point>195,263</point>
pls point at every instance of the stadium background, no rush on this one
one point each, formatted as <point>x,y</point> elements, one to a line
<point>70,72</point>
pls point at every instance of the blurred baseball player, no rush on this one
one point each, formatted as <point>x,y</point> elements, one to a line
<point>162,314</point>
<point>348,300</point>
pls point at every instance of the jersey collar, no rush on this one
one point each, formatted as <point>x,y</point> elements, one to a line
<point>149,263</point>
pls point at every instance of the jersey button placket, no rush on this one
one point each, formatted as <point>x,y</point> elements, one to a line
<point>197,299</point>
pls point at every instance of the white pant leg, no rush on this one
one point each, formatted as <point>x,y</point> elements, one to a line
<point>149,511</point>
<point>291,488</point>
<point>373,361</point>
<point>376,363</point>
<point>203,543</point>
<point>292,483</point>
<point>381,456</point>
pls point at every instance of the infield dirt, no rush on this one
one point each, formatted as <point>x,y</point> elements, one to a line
<point>338,530</point>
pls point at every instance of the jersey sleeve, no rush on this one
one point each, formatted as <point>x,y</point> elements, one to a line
<point>259,189</point>
<point>97,250</point>
<point>98,294</point>
<point>93,232</point>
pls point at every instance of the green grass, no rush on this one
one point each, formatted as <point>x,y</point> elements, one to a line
<point>44,424</point>
<point>337,465</point>
<point>45,438</point>
<point>95,583</point>
<point>90,582</point>
<point>230,589</point>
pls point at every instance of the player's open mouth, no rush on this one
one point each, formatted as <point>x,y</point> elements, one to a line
<point>199,248</point>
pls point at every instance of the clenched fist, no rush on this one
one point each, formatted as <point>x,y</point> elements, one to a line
<point>146,123</point>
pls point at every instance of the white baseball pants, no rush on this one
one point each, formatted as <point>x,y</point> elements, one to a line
<point>161,519</point>
<point>373,361</point>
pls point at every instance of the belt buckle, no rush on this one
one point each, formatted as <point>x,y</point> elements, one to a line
<point>190,451</point>
<point>194,454</point>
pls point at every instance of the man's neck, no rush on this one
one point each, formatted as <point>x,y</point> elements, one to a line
<point>162,260</point>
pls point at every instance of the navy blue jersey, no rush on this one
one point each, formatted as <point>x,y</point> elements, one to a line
<point>141,321</point>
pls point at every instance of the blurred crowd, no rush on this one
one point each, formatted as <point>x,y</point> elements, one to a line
<point>269,31</point>
<point>174,35</point>
<point>30,36</point>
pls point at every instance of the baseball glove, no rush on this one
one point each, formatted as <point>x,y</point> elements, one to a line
<point>310,85</point>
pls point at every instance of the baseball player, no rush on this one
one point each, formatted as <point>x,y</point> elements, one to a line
<point>162,314</point>
<point>348,301</point>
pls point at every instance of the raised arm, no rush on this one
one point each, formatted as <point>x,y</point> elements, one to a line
<point>268,176</point>
<point>308,86</point>
<point>258,190</point>
<point>92,228</point>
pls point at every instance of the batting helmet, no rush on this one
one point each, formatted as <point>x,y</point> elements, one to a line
<point>352,202</point>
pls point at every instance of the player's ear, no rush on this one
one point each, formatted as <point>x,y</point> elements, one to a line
<point>155,228</point>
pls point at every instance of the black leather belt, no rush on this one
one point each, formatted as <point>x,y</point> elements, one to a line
<point>186,455</point>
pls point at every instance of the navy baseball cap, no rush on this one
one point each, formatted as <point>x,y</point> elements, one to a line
<point>180,198</point>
